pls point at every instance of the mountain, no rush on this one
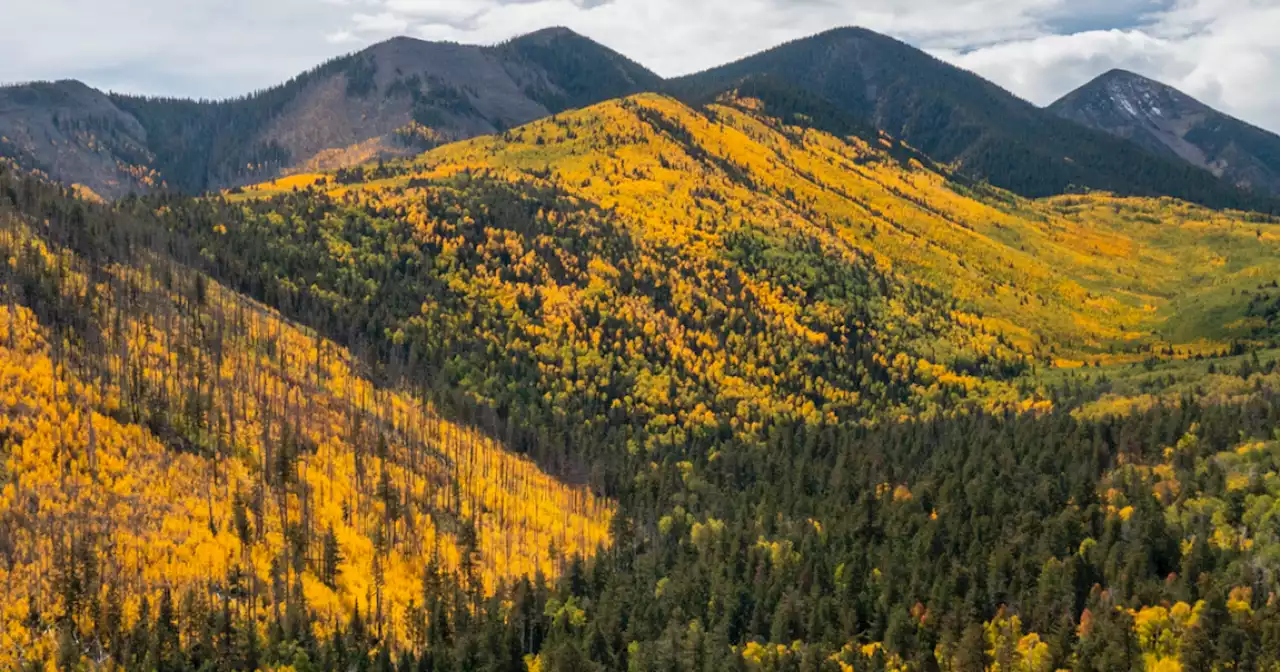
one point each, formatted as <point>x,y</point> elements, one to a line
<point>957,117</point>
<point>392,99</point>
<point>1167,122</point>
<point>831,405</point>
<point>72,132</point>
<point>643,240</point>
<point>578,71</point>
<point>824,380</point>
<point>404,96</point>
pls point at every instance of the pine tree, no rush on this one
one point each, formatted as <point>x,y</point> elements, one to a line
<point>332,557</point>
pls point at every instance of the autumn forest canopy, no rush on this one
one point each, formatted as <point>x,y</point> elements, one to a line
<point>728,376</point>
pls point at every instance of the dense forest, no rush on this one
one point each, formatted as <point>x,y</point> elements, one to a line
<point>170,445</point>
<point>810,402</point>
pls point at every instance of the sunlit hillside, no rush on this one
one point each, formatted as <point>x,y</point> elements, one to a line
<point>172,450</point>
<point>951,286</point>
<point>1072,278</point>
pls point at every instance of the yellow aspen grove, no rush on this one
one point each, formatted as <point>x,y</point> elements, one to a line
<point>215,446</point>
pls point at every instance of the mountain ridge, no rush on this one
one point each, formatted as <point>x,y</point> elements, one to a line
<point>956,116</point>
<point>404,95</point>
<point>807,381</point>
<point>394,98</point>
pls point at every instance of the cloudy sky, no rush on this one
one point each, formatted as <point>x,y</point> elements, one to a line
<point>1225,52</point>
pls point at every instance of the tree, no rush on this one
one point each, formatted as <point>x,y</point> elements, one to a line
<point>332,557</point>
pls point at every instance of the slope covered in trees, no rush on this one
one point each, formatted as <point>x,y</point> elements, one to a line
<point>70,131</point>
<point>178,457</point>
<point>836,391</point>
<point>962,501</point>
<point>1074,278</point>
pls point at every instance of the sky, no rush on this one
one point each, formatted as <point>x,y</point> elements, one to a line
<point>1224,52</point>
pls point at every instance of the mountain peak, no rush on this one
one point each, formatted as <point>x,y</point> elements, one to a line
<point>1121,94</point>
<point>46,87</point>
<point>582,70</point>
<point>400,39</point>
<point>955,116</point>
<point>848,31</point>
<point>1170,123</point>
<point>843,35</point>
<point>550,33</point>
<point>1120,74</point>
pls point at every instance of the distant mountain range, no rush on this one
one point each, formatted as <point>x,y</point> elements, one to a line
<point>394,98</point>
<point>403,96</point>
<point>1168,122</point>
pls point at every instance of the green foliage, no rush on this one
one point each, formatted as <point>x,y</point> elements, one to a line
<point>789,497</point>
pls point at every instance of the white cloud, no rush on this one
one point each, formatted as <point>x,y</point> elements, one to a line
<point>1043,69</point>
<point>676,37</point>
<point>198,48</point>
<point>1224,51</point>
<point>448,12</point>
<point>384,23</point>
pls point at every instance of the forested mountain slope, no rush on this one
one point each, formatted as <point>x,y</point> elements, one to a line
<point>1165,121</point>
<point>404,95</point>
<point>957,117</point>
<point>179,460</point>
<point>393,99</point>
<point>72,132</point>
<point>1070,276</point>
<point>832,386</point>
<point>849,409</point>
<point>1078,277</point>
<point>792,274</point>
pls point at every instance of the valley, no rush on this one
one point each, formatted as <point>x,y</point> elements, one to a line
<point>524,358</point>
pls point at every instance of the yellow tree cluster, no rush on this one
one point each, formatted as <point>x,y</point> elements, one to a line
<point>209,445</point>
<point>980,274</point>
<point>1077,278</point>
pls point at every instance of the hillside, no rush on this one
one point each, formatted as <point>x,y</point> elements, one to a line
<point>392,99</point>
<point>851,410</point>
<point>836,390</point>
<point>954,116</point>
<point>893,289</point>
<point>72,132</point>
<point>1170,123</point>
<point>1069,276</point>
<point>170,446</point>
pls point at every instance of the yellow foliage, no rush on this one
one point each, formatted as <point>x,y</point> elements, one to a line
<point>273,394</point>
<point>1240,600</point>
<point>1085,271</point>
